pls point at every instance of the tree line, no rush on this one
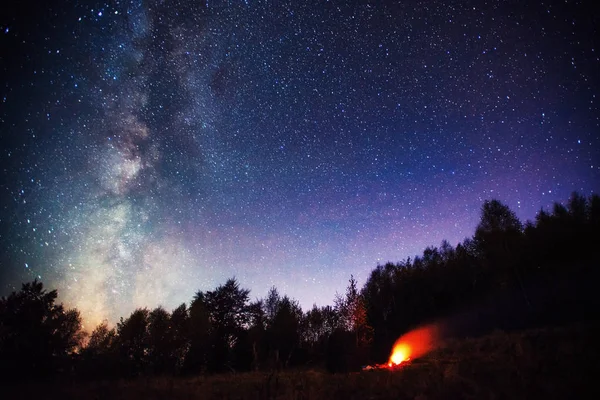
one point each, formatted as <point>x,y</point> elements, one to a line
<point>544,267</point>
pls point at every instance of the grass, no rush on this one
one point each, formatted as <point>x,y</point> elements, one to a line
<point>545,364</point>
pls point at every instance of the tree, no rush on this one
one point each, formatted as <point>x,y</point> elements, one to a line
<point>497,217</point>
<point>283,331</point>
<point>318,325</point>
<point>352,311</point>
<point>379,294</point>
<point>198,331</point>
<point>101,340</point>
<point>315,325</point>
<point>499,239</point>
<point>133,341</point>
<point>446,251</point>
<point>256,333</point>
<point>577,207</point>
<point>271,303</point>
<point>227,308</point>
<point>593,211</point>
<point>353,314</point>
<point>99,356</point>
<point>179,331</point>
<point>160,352</point>
<point>37,336</point>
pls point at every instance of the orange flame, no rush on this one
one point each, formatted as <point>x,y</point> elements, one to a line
<point>414,344</point>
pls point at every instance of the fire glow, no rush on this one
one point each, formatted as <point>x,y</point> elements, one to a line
<point>413,344</point>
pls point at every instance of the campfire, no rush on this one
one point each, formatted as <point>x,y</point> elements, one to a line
<point>409,346</point>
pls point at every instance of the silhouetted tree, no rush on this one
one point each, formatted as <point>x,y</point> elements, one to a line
<point>37,336</point>
<point>352,311</point>
<point>227,308</point>
<point>315,325</point>
<point>179,336</point>
<point>499,237</point>
<point>160,348</point>
<point>133,342</point>
<point>283,331</point>
<point>199,333</point>
<point>271,303</point>
<point>99,356</point>
<point>257,334</point>
<point>102,339</point>
<point>593,211</point>
<point>318,324</point>
<point>353,314</point>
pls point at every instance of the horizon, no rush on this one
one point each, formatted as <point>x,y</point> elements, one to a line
<point>305,307</point>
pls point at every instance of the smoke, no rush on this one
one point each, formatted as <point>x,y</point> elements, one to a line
<point>415,344</point>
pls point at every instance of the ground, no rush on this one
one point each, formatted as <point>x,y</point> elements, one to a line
<point>548,363</point>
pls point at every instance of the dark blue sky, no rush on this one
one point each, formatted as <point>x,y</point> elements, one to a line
<point>150,149</point>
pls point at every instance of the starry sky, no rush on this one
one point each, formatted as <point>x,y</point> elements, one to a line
<point>150,149</point>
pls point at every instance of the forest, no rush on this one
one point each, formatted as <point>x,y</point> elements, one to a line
<point>509,276</point>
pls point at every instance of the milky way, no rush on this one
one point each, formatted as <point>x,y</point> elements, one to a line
<point>151,149</point>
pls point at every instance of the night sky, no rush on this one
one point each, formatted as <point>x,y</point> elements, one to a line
<point>150,149</point>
